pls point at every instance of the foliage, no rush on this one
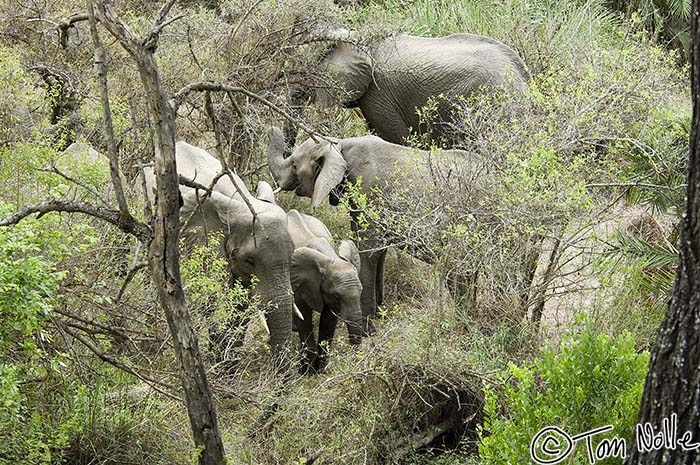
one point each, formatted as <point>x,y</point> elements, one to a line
<point>29,285</point>
<point>17,98</point>
<point>227,305</point>
<point>591,381</point>
<point>607,109</point>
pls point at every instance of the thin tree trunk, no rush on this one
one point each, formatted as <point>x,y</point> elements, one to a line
<point>672,388</point>
<point>164,255</point>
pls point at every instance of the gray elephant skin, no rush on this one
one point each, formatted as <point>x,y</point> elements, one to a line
<point>325,281</point>
<point>261,248</point>
<point>322,169</point>
<point>390,80</point>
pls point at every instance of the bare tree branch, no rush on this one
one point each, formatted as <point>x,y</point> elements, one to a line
<point>154,383</point>
<point>151,41</point>
<point>131,226</point>
<point>129,276</point>
<point>112,150</point>
<point>66,23</point>
<point>211,86</point>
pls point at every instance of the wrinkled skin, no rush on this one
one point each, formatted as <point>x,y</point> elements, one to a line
<point>325,281</point>
<point>262,248</point>
<point>389,80</point>
<point>323,169</point>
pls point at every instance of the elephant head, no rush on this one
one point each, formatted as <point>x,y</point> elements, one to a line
<point>254,244</point>
<point>329,282</point>
<point>313,170</point>
<point>260,248</point>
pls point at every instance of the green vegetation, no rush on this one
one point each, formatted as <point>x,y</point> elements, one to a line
<point>591,381</point>
<point>87,369</point>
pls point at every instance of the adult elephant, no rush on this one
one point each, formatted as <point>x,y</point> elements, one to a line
<point>326,281</point>
<point>255,244</point>
<point>324,168</point>
<point>389,81</point>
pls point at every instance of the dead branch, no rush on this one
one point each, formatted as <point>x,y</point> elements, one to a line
<point>100,61</point>
<point>66,23</point>
<point>209,107</point>
<point>313,457</point>
<point>130,225</point>
<point>195,185</point>
<point>164,256</point>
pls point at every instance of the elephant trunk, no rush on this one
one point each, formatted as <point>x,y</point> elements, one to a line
<point>278,165</point>
<point>277,300</point>
<point>351,314</point>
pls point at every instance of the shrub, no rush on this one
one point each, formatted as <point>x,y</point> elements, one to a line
<point>591,381</point>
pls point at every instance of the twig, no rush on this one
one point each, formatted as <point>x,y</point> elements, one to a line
<point>195,185</point>
<point>243,18</point>
<point>313,457</point>
<point>209,108</point>
<point>152,40</point>
<point>154,383</point>
<point>55,170</point>
<point>636,184</point>
<point>129,276</point>
<point>211,86</point>
<point>100,61</point>
<point>147,207</point>
<point>66,23</point>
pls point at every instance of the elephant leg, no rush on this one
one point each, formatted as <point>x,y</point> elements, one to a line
<point>385,120</point>
<point>372,278</point>
<point>309,350</point>
<point>368,299</point>
<point>379,281</point>
<point>326,331</point>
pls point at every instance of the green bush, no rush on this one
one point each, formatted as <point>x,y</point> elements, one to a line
<point>591,381</point>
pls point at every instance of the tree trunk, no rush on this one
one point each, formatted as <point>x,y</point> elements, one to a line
<point>164,254</point>
<point>672,388</point>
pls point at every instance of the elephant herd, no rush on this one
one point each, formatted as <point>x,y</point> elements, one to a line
<point>297,265</point>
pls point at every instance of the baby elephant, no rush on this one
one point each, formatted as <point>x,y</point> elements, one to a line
<point>325,281</point>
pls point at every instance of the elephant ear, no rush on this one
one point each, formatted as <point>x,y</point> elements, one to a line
<point>348,251</point>
<point>265,193</point>
<point>352,69</point>
<point>332,173</point>
<point>306,274</point>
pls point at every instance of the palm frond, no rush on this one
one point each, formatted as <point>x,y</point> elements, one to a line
<point>679,9</point>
